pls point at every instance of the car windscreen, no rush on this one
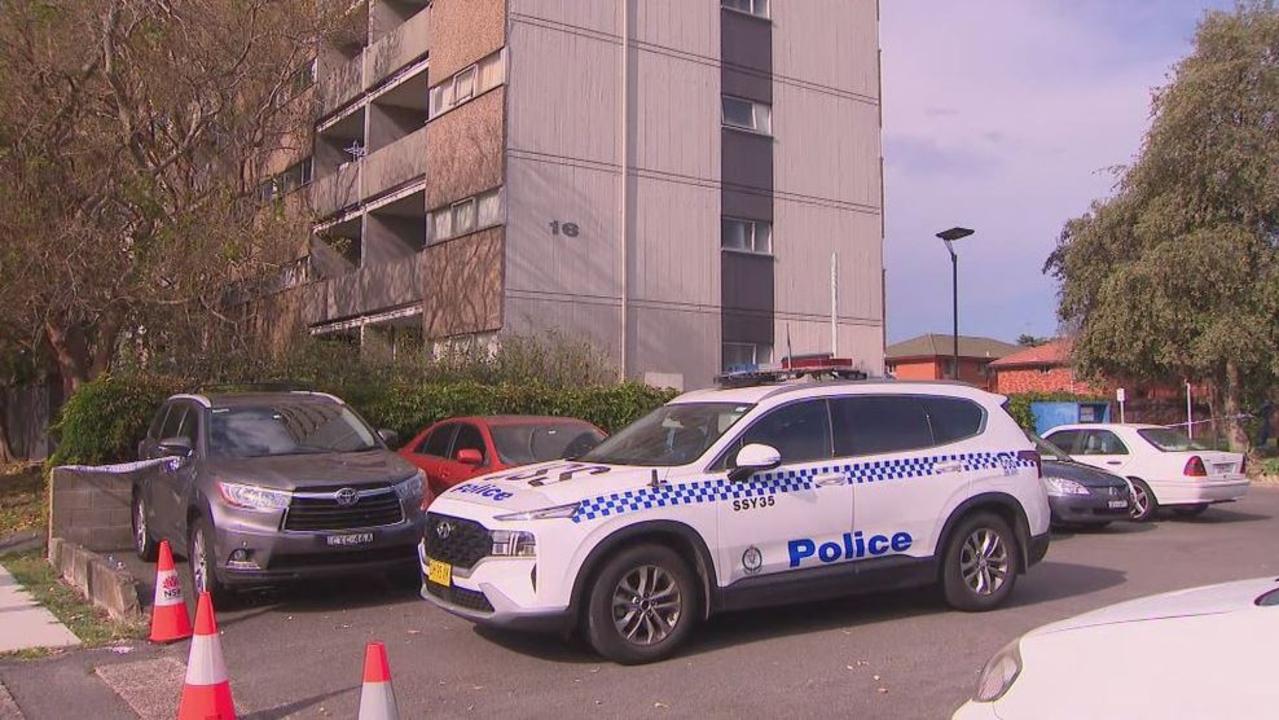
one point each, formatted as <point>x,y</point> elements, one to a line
<point>287,429</point>
<point>523,444</point>
<point>670,435</point>
<point>1046,448</point>
<point>1169,440</point>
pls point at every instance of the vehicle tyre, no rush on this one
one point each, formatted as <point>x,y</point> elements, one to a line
<point>202,559</point>
<point>980,565</point>
<point>1189,511</point>
<point>1144,503</point>
<point>642,606</point>
<point>143,543</point>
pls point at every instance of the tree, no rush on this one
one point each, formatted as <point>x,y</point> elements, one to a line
<point>1030,341</point>
<point>133,132</point>
<point>1177,274</point>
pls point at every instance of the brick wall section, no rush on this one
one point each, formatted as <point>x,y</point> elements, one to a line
<point>464,146</point>
<point>463,31</point>
<point>92,508</point>
<point>462,285</point>
<point>1024,380</point>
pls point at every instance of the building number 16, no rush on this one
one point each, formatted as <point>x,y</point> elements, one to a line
<point>568,228</point>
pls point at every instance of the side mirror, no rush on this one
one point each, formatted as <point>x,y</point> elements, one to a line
<point>389,437</point>
<point>752,459</point>
<point>469,456</point>
<point>176,447</point>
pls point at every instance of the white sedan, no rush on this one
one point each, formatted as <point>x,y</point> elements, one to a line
<point>1202,653</point>
<point>1164,466</point>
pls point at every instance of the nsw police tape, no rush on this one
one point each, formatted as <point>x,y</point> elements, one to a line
<point>125,468</point>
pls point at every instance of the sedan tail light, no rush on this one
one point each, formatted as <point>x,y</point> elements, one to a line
<point>1195,467</point>
<point>1032,456</point>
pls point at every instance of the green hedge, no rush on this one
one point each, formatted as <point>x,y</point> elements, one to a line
<point>105,419</point>
<point>1019,404</point>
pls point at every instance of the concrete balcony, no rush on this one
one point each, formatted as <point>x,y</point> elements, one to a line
<point>339,84</point>
<point>370,289</point>
<point>400,47</point>
<point>334,192</point>
<point>395,164</point>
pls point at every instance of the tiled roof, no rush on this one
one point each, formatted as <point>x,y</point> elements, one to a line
<point>1053,353</point>
<point>938,345</point>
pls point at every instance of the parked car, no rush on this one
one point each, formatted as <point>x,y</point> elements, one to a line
<point>741,497</point>
<point>266,487</point>
<point>458,449</point>
<point>1164,466</point>
<point>1080,494</point>
<point>1199,653</point>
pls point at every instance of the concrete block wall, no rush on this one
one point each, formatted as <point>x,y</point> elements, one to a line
<point>91,507</point>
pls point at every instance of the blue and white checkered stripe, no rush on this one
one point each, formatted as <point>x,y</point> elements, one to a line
<point>787,481</point>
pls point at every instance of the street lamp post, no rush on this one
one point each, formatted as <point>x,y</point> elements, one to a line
<point>949,237</point>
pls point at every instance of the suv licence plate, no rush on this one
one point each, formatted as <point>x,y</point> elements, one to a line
<point>352,539</point>
<point>1116,504</point>
<point>440,573</point>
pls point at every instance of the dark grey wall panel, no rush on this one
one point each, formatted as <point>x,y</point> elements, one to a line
<point>750,85</point>
<point>746,295</point>
<point>747,204</point>
<point>747,160</point>
<point>746,41</point>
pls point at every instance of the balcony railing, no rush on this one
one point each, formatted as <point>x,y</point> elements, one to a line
<point>334,192</point>
<point>401,46</point>
<point>367,290</point>
<point>395,164</point>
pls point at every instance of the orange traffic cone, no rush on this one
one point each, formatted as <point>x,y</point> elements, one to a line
<point>377,697</point>
<point>169,619</point>
<point>207,693</point>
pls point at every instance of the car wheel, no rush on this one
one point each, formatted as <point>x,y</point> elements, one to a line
<point>1144,503</point>
<point>980,564</point>
<point>143,543</point>
<point>1189,511</point>
<point>202,559</point>
<point>642,606</point>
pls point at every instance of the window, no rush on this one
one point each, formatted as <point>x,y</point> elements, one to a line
<point>464,85</point>
<point>744,356</point>
<point>464,216</point>
<point>469,438</point>
<point>1169,440</point>
<point>293,177</point>
<point>189,425</point>
<point>746,235</point>
<point>177,412</point>
<point>953,419</point>
<point>158,422</point>
<point>671,435</point>
<point>442,224</point>
<point>1067,440</point>
<point>438,442</point>
<point>525,444</point>
<point>748,115</point>
<point>288,428</point>
<point>490,209</point>
<point>800,433</point>
<point>753,7</point>
<point>1102,442</point>
<point>872,424</point>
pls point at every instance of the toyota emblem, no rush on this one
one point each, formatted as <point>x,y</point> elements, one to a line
<point>443,530</point>
<point>347,496</point>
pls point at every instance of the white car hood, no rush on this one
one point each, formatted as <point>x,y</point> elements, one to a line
<point>1193,602</point>
<point>548,484</point>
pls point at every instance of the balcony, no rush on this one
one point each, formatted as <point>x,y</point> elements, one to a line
<point>367,290</point>
<point>340,82</point>
<point>395,164</point>
<point>400,47</point>
<point>334,192</point>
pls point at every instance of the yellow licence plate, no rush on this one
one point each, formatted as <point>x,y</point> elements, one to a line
<point>440,573</point>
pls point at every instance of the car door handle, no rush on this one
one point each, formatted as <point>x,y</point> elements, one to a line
<point>1114,462</point>
<point>828,480</point>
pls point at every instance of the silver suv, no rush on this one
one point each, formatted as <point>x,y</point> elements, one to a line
<point>265,487</point>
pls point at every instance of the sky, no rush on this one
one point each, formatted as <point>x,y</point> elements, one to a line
<point>1008,117</point>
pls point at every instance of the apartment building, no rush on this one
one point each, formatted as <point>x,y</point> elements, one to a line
<point>687,184</point>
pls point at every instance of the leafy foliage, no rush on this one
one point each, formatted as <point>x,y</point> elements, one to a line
<point>1177,274</point>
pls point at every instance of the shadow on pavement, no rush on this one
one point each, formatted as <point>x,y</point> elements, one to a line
<point>282,711</point>
<point>1212,516</point>
<point>1051,580</point>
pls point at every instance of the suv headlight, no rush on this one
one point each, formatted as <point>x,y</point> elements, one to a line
<point>1062,486</point>
<point>513,543</point>
<point>548,513</point>
<point>252,497</point>
<point>1000,673</point>
<point>411,489</point>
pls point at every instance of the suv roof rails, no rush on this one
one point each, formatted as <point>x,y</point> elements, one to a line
<point>267,386</point>
<point>752,377</point>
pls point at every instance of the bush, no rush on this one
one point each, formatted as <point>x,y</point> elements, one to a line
<point>106,418</point>
<point>1019,404</point>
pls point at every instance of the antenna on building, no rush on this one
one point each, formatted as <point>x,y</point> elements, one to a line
<point>356,150</point>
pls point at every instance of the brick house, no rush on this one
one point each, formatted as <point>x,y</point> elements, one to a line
<point>1045,368</point>
<point>930,357</point>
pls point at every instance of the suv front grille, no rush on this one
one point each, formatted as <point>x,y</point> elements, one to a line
<point>325,513</point>
<point>469,599</point>
<point>465,543</point>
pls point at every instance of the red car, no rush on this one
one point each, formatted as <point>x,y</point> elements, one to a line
<point>458,449</point>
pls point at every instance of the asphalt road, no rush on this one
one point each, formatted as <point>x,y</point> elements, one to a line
<point>900,655</point>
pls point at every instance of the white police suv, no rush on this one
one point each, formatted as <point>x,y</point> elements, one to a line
<point>741,497</point>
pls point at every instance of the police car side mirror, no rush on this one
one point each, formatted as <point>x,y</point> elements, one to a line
<point>752,459</point>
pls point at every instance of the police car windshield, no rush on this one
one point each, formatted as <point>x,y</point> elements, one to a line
<point>670,435</point>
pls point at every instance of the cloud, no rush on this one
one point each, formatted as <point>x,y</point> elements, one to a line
<point>1005,116</point>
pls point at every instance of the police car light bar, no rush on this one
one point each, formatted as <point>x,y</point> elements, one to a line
<point>750,375</point>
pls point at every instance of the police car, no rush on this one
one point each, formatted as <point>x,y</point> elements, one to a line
<point>740,497</point>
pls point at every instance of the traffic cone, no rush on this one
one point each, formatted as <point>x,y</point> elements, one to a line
<point>377,697</point>
<point>169,619</point>
<point>206,695</point>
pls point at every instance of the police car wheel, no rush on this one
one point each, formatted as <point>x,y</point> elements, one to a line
<point>980,563</point>
<point>1144,504</point>
<point>143,543</point>
<point>642,606</point>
